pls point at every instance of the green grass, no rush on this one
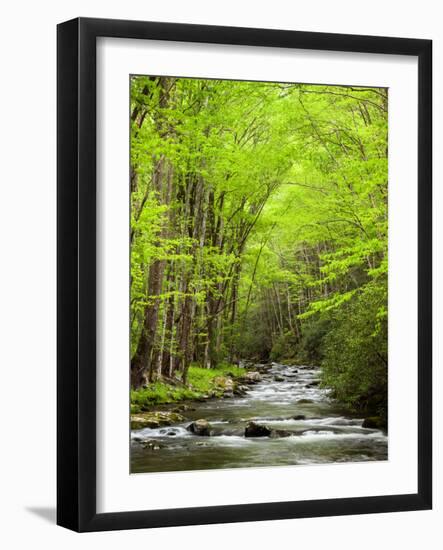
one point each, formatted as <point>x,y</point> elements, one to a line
<point>200,385</point>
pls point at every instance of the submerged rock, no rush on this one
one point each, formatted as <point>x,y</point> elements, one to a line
<point>199,427</point>
<point>155,419</point>
<point>256,430</point>
<point>183,408</point>
<point>138,422</point>
<point>299,417</point>
<point>280,433</point>
<point>152,445</point>
<point>279,378</point>
<point>304,401</point>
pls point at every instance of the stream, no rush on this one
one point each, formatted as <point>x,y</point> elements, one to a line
<point>323,433</point>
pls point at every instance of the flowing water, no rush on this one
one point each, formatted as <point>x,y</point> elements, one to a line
<point>326,434</point>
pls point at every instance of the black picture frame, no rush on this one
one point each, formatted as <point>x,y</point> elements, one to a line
<point>76,265</point>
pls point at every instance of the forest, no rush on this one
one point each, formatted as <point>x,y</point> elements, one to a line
<point>259,231</point>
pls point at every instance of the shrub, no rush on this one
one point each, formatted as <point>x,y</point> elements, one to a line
<point>355,351</point>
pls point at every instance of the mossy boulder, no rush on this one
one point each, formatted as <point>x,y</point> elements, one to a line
<point>251,378</point>
<point>155,419</point>
<point>224,385</point>
<point>200,427</point>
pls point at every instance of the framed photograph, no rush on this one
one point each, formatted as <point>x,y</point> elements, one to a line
<point>244,274</point>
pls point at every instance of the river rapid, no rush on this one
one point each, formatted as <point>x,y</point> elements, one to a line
<point>323,433</point>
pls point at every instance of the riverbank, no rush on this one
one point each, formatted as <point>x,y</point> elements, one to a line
<point>202,384</point>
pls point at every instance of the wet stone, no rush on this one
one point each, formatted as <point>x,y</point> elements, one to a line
<point>199,427</point>
<point>256,430</point>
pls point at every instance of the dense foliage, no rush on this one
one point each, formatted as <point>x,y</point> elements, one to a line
<point>259,229</point>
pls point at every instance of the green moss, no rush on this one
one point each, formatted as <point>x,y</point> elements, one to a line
<point>201,384</point>
<point>154,419</point>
